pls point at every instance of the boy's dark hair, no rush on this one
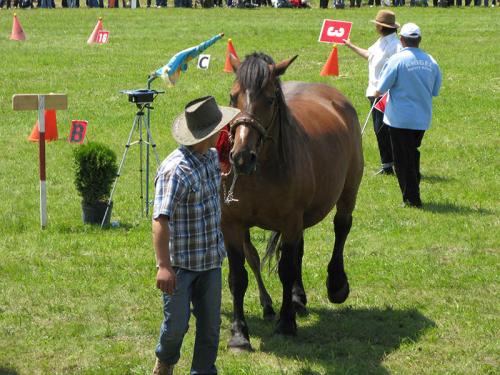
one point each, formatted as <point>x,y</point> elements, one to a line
<point>388,30</point>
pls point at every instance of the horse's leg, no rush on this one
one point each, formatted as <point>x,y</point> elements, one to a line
<point>288,271</point>
<point>253,259</point>
<point>298,293</point>
<point>336,282</point>
<point>238,283</point>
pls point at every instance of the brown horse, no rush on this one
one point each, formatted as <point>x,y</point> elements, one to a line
<point>296,153</point>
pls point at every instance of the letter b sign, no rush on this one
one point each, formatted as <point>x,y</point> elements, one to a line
<point>77,131</point>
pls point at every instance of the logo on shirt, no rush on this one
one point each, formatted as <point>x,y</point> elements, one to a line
<point>418,65</point>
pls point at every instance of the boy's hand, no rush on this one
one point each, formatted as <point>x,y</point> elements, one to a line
<point>166,280</point>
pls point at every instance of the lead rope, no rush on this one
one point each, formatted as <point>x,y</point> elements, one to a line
<point>229,196</point>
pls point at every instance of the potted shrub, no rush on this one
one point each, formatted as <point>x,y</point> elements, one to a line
<point>95,171</point>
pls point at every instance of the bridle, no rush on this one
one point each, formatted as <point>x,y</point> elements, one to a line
<point>246,119</point>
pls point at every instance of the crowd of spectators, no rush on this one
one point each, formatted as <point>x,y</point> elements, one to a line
<point>339,4</point>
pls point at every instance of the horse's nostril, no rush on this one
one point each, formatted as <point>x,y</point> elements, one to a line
<point>237,159</point>
<point>253,157</point>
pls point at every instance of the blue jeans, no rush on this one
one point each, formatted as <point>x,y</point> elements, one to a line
<point>203,290</point>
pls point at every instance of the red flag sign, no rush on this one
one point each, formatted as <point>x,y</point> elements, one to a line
<point>382,102</point>
<point>77,131</point>
<point>335,31</point>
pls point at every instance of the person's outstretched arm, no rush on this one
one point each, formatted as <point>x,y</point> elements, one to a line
<point>360,51</point>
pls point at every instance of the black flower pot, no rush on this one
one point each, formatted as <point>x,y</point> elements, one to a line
<point>93,213</point>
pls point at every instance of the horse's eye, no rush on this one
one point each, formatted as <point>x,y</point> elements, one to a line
<point>232,100</point>
<point>270,101</point>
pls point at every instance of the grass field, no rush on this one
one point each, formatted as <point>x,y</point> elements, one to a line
<point>75,299</point>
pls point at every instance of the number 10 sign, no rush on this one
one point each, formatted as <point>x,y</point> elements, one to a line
<point>335,31</point>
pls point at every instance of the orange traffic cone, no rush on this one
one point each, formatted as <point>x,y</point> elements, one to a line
<point>17,30</point>
<point>50,127</point>
<point>228,68</point>
<point>97,28</point>
<point>331,67</point>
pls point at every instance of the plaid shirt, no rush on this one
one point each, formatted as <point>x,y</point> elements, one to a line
<point>187,192</point>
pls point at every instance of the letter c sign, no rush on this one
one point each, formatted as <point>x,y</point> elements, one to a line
<point>203,61</point>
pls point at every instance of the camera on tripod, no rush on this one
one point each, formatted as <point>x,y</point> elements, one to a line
<point>141,96</point>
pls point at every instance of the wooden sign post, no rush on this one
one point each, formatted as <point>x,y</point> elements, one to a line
<point>40,102</point>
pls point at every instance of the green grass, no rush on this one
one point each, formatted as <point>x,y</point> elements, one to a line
<point>75,299</point>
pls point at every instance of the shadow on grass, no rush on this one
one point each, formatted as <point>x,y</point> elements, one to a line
<point>88,228</point>
<point>433,179</point>
<point>446,208</point>
<point>7,371</point>
<point>346,340</point>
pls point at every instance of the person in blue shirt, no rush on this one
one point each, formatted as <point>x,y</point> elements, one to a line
<point>413,78</point>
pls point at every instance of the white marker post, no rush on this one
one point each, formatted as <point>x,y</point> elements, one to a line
<point>40,102</point>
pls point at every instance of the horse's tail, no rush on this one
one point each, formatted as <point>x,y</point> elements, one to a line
<point>272,250</point>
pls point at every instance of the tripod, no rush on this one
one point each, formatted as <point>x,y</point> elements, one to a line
<point>143,100</point>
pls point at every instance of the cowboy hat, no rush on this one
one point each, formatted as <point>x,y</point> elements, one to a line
<point>201,119</point>
<point>386,18</point>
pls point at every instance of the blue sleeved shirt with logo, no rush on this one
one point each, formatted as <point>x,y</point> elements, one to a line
<point>413,78</point>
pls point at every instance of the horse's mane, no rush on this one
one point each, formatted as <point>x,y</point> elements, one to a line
<point>254,75</point>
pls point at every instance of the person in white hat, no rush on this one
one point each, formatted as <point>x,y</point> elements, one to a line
<point>377,55</point>
<point>187,238</point>
<point>413,78</point>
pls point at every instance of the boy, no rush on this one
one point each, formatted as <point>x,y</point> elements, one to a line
<point>187,238</point>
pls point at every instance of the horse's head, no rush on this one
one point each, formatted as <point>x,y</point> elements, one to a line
<point>257,93</point>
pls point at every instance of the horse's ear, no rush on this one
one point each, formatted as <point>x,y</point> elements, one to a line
<point>235,61</point>
<point>281,67</point>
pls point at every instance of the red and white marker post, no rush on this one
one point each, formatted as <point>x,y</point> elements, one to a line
<point>40,102</point>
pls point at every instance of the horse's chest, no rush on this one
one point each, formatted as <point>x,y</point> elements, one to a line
<point>262,204</point>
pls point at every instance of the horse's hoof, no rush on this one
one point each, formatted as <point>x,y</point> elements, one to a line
<point>239,344</point>
<point>299,307</point>
<point>340,295</point>
<point>286,327</point>
<point>268,313</point>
